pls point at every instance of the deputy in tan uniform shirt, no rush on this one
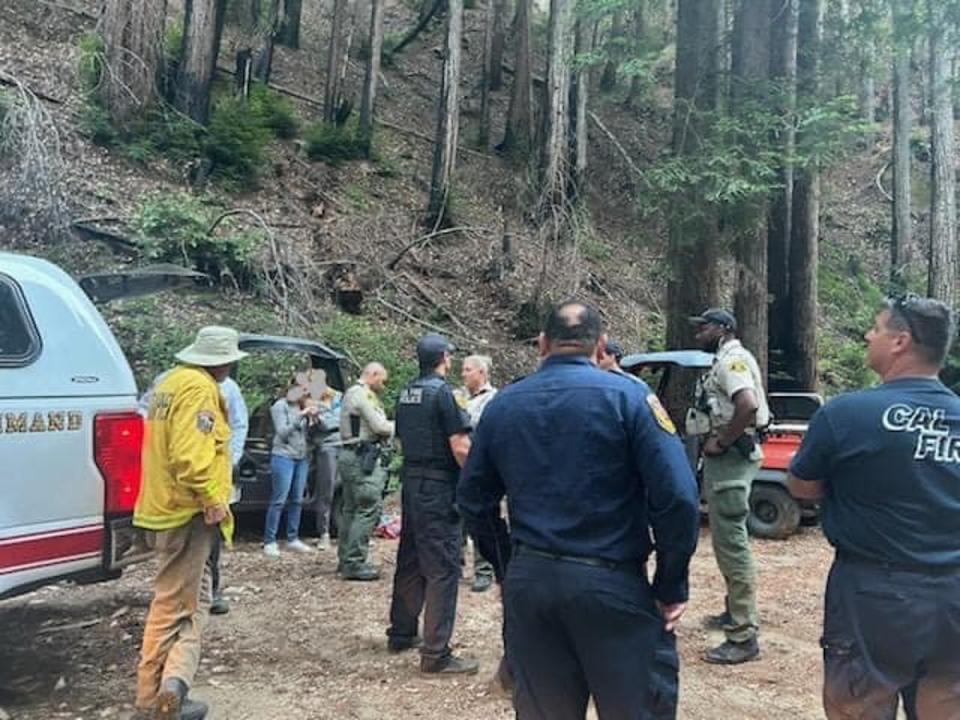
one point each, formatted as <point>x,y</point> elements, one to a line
<point>363,427</point>
<point>731,404</point>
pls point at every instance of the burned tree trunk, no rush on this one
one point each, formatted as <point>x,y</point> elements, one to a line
<point>289,33</point>
<point>804,241</point>
<point>448,118</point>
<point>518,138</point>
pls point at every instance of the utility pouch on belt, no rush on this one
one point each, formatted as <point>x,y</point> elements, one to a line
<point>369,454</point>
<point>745,445</point>
<point>354,426</point>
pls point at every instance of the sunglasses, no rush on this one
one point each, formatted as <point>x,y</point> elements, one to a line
<point>905,307</point>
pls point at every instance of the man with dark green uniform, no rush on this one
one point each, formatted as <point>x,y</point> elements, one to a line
<point>363,428</point>
<point>730,406</point>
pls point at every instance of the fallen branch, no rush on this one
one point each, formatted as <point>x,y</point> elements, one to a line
<point>429,325</point>
<point>279,88</point>
<point>417,29</point>
<point>10,81</point>
<point>431,298</point>
<point>879,182</point>
<point>116,241</point>
<point>427,138</point>
<point>616,143</point>
<point>239,211</point>
<point>68,626</point>
<point>423,239</point>
<point>69,8</point>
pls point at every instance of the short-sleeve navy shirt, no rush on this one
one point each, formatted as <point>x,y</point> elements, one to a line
<point>890,461</point>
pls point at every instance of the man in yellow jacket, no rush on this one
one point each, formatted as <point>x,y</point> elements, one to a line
<point>184,501</point>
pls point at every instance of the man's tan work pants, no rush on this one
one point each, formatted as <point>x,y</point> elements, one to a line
<point>179,609</point>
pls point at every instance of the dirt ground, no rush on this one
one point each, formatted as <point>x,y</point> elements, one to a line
<point>299,643</point>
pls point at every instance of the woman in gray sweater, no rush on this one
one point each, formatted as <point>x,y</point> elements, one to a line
<point>289,465</point>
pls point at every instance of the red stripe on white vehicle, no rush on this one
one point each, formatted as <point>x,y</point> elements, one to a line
<point>30,551</point>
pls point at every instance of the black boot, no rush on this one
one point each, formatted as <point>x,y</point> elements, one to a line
<point>482,583</point>
<point>172,702</point>
<point>449,665</point>
<point>718,622</point>
<point>733,653</point>
<point>402,644</point>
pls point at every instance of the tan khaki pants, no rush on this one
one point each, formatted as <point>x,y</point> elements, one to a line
<point>179,609</point>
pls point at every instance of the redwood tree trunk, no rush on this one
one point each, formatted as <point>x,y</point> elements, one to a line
<point>942,275</point>
<point>553,150</point>
<point>578,118</point>
<point>289,34</point>
<point>518,138</point>
<point>368,101</point>
<point>263,67</point>
<point>692,249</point>
<point>131,30</point>
<point>608,80</point>
<point>331,88</point>
<point>497,43</point>
<point>202,29</point>
<point>901,246</point>
<point>783,70</point>
<point>804,243</point>
<point>751,67</point>
<point>448,118</point>
<point>483,133</point>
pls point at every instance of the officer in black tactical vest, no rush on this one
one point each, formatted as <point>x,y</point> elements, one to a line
<point>434,436</point>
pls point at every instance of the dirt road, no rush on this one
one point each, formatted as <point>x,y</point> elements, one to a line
<point>299,643</point>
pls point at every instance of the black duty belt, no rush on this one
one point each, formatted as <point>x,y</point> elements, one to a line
<point>623,566</point>
<point>857,559</point>
<point>429,473</point>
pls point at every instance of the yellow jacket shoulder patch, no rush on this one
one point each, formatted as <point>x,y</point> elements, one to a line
<point>660,414</point>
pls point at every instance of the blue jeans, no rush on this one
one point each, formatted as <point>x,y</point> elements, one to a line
<point>289,483</point>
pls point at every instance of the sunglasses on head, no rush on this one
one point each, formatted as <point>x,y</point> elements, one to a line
<point>905,307</point>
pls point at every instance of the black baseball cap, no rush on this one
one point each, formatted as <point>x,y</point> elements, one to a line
<point>716,316</point>
<point>614,348</point>
<point>431,347</point>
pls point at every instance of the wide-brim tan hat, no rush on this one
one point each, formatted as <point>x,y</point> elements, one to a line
<point>213,346</point>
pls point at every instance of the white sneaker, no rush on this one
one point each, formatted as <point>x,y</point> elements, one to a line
<point>324,542</point>
<point>299,546</point>
<point>271,550</point>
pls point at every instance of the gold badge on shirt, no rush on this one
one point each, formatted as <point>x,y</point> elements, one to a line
<point>660,414</point>
<point>738,366</point>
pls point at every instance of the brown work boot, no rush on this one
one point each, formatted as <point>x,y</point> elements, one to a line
<point>733,653</point>
<point>449,665</point>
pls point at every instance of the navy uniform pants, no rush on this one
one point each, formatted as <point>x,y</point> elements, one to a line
<point>428,564</point>
<point>887,629</point>
<point>574,631</point>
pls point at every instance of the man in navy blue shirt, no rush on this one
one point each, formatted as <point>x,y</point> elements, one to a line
<point>886,463</point>
<point>590,464</point>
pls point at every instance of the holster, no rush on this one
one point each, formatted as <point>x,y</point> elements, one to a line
<point>369,454</point>
<point>745,445</point>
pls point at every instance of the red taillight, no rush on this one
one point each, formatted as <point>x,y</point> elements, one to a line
<point>117,445</point>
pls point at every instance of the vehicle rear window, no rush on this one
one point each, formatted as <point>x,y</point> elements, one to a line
<point>19,341</point>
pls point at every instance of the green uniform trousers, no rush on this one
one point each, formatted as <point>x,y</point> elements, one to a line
<point>727,480</point>
<point>362,504</point>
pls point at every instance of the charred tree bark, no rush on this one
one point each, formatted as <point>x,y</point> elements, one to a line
<point>783,72</point>
<point>901,246</point>
<point>370,78</point>
<point>554,158</point>
<point>608,80</point>
<point>263,67</point>
<point>748,90</point>
<point>202,29</point>
<point>518,138</point>
<point>692,249</point>
<point>133,35</point>
<point>942,274</point>
<point>804,242</point>
<point>448,118</point>
<point>289,33</point>
<point>498,42</point>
